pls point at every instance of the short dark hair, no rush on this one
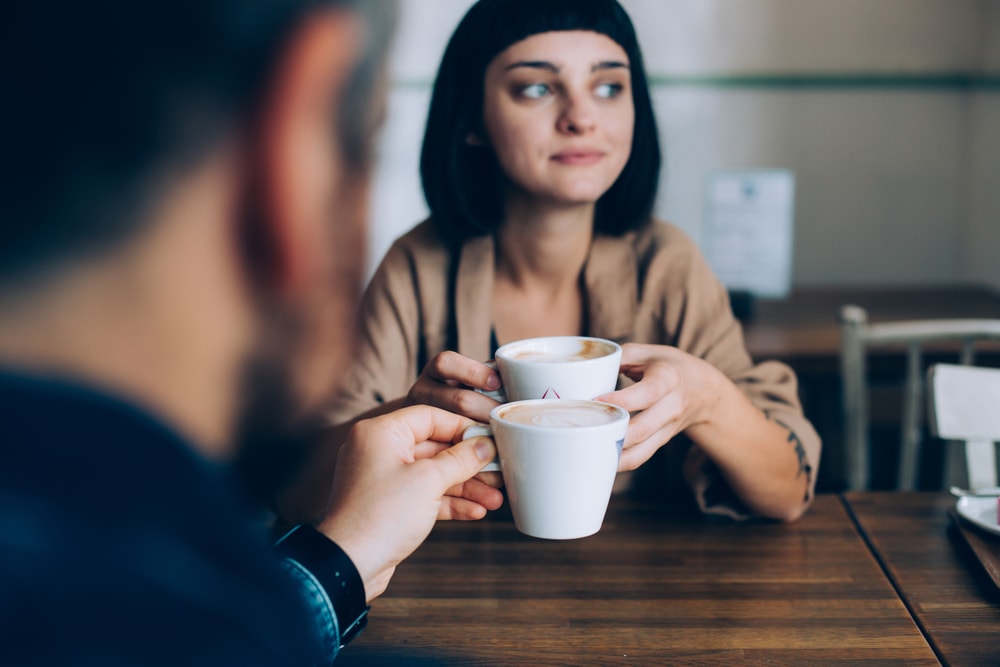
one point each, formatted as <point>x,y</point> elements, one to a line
<point>463,185</point>
<point>106,101</point>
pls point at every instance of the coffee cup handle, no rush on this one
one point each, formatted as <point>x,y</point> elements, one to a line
<point>497,395</point>
<point>478,430</point>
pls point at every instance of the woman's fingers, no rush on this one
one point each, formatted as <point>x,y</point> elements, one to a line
<point>453,367</point>
<point>446,381</point>
<point>461,401</point>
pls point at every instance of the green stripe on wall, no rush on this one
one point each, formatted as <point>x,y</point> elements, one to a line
<point>945,82</point>
<point>895,81</point>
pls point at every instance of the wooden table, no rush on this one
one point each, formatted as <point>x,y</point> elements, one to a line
<point>648,589</point>
<point>803,331</point>
<point>946,589</point>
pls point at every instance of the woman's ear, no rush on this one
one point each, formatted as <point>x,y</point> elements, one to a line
<point>297,160</point>
<point>473,139</point>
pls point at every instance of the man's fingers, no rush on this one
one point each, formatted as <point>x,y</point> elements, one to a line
<point>428,449</point>
<point>494,479</point>
<point>425,423</point>
<point>461,462</point>
<point>478,492</point>
<point>460,509</point>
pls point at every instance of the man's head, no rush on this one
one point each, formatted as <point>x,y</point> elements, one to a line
<point>112,112</point>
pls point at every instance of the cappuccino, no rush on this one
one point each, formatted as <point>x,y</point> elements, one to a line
<point>558,367</point>
<point>559,459</point>
<point>560,350</point>
<point>560,414</point>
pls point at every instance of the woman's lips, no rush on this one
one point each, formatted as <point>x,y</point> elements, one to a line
<point>577,158</point>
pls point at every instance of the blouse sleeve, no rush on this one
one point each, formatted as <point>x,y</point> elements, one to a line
<point>703,324</point>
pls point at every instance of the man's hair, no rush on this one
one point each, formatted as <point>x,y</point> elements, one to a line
<point>107,101</point>
<point>463,184</point>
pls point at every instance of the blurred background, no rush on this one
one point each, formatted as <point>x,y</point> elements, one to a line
<point>887,112</point>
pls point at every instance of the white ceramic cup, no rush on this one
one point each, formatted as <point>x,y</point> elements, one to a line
<point>576,367</point>
<point>559,460</point>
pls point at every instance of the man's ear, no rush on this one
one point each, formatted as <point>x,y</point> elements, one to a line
<point>298,154</point>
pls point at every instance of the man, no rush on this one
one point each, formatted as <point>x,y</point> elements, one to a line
<point>180,225</point>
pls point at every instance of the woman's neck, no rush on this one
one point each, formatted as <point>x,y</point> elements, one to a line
<point>544,244</point>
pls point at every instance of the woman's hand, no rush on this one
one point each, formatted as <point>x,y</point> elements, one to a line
<point>762,461</point>
<point>673,392</point>
<point>448,382</point>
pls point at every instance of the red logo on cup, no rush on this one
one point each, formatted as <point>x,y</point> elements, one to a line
<point>551,391</point>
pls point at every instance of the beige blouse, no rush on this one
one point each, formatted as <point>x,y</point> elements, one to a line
<point>648,286</point>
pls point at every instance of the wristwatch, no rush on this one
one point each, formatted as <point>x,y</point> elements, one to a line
<point>335,572</point>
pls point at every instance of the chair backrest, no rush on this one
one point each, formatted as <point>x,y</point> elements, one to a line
<point>857,337</point>
<point>965,406</point>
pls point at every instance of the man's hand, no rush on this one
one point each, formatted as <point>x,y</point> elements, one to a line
<point>395,476</point>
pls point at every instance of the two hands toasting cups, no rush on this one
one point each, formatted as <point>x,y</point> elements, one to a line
<point>558,449</point>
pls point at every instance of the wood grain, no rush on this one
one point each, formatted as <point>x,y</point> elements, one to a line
<point>946,588</point>
<point>649,589</point>
<point>985,546</point>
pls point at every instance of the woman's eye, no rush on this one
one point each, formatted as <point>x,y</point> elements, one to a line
<point>609,90</point>
<point>534,90</point>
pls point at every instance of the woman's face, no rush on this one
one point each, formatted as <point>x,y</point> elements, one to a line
<point>558,112</point>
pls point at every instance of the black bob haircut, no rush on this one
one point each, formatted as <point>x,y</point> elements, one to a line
<point>463,185</point>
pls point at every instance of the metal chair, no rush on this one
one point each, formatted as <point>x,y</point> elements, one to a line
<point>857,337</point>
<point>965,406</point>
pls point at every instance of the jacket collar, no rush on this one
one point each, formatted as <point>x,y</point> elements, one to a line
<point>610,278</point>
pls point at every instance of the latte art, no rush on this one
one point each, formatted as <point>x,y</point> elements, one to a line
<point>561,414</point>
<point>556,351</point>
<point>559,458</point>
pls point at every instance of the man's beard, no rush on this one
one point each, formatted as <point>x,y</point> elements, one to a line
<point>273,436</point>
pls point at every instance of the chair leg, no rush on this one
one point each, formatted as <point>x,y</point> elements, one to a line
<point>854,398</point>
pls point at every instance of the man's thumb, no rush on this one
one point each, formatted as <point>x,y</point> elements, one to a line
<point>462,461</point>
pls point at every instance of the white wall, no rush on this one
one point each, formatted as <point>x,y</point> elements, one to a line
<point>894,184</point>
<point>878,179</point>
<point>744,36</point>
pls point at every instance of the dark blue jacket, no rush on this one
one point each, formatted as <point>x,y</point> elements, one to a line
<point>119,545</point>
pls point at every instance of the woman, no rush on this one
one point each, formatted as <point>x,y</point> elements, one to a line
<point>540,163</point>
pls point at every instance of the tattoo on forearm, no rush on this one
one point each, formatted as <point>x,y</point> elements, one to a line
<point>800,451</point>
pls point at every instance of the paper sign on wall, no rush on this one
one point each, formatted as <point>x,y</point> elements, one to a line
<point>748,230</point>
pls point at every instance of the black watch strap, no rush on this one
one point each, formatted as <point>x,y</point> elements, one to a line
<point>335,571</point>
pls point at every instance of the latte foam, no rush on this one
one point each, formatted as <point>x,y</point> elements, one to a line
<point>561,414</point>
<point>557,350</point>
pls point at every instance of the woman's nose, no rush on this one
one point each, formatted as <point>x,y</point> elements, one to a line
<point>577,115</point>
